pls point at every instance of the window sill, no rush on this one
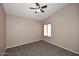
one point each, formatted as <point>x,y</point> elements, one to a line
<point>47,36</point>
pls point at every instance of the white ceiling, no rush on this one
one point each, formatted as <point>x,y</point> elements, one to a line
<point>22,10</point>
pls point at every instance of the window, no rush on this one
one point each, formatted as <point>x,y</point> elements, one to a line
<point>47,30</point>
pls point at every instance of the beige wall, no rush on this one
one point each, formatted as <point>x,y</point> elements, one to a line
<point>2,28</point>
<point>21,31</point>
<point>65,28</point>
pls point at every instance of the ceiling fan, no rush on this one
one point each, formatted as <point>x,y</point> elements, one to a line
<point>39,8</point>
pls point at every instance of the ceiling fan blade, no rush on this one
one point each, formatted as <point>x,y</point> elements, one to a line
<point>44,6</point>
<point>32,8</point>
<point>37,4</point>
<point>41,10</point>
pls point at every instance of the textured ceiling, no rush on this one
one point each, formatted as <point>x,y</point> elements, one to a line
<point>22,10</point>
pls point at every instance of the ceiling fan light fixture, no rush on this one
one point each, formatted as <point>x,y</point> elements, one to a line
<point>38,10</point>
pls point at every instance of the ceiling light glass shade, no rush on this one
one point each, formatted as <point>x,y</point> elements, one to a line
<point>38,10</point>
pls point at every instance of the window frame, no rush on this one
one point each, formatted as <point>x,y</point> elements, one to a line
<point>46,30</point>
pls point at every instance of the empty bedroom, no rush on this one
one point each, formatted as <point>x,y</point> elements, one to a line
<point>39,29</point>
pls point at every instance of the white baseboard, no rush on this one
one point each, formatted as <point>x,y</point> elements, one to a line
<point>22,44</point>
<point>62,47</point>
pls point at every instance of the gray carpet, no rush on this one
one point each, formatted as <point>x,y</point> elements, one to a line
<point>40,48</point>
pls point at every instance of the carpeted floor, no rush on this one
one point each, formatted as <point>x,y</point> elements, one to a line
<point>39,48</point>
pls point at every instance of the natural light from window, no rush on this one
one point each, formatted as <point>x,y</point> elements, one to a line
<point>47,30</point>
